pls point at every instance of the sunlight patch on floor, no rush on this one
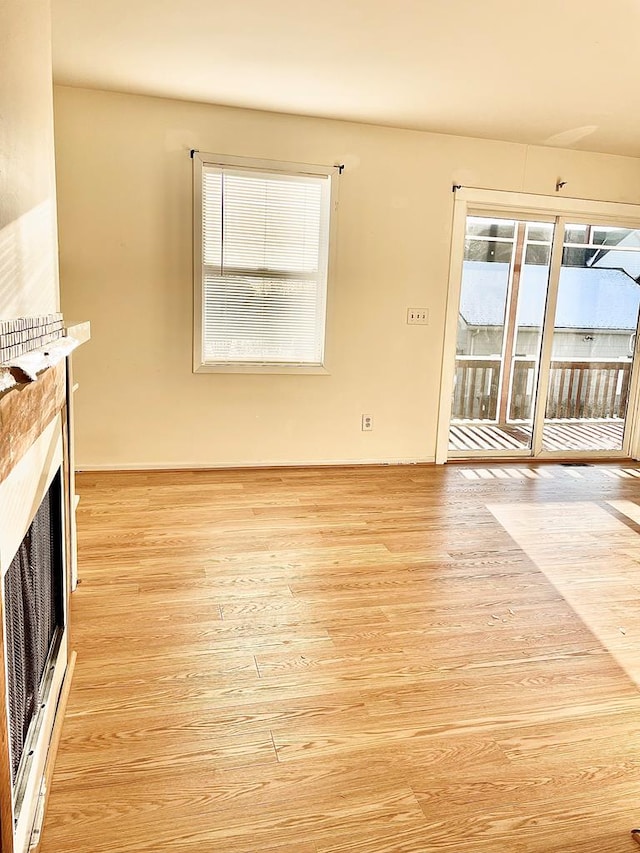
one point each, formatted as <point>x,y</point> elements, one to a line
<point>627,508</point>
<point>505,474</point>
<point>512,473</point>
<point>592,559</point>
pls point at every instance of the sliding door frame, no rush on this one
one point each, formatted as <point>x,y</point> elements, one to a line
<point>522,206</point>
<point>548,323</point>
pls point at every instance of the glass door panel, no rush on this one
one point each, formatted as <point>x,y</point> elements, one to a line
<point>502,304</point>
<point>593,340</point>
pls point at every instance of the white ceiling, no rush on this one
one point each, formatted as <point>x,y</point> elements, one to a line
<point>552,72</point>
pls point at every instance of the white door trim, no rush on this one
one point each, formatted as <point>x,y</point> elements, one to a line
<point>448,368</point>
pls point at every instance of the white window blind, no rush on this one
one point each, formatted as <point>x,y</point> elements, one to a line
<point>265,242</point>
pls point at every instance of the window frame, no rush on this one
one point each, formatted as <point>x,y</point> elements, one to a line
<point>201,160</point>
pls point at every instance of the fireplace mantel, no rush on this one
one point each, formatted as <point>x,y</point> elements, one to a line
<point>25,411</point>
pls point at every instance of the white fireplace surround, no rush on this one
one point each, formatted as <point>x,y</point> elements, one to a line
<point>21,494</point>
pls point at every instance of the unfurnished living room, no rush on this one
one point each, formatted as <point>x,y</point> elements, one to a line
<point>319,426</point>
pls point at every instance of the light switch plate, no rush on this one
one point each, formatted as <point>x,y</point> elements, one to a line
<point>418,316</point>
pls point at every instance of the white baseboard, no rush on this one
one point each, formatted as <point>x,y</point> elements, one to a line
<point>213,466</point>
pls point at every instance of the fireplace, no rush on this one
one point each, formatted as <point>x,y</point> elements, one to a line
<point>36,562</point>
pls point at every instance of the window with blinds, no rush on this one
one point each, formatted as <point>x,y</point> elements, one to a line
<point>261,266</point>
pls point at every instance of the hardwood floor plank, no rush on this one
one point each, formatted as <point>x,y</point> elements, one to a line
<point>115,761</point>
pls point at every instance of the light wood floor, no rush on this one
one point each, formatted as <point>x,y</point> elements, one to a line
<point>354,661</point>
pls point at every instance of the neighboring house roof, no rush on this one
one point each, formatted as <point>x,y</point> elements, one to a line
<point>587,298</point>
<point>613,257</point>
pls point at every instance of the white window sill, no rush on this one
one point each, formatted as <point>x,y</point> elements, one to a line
<point>310,369</point>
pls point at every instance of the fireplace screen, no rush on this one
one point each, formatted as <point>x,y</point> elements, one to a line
<point>33,596</point>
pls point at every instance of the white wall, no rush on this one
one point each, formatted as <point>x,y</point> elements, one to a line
<point>28,250</point>
<point>124,185</point>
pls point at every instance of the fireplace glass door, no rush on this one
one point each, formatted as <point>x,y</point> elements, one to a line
<point>34,613</point>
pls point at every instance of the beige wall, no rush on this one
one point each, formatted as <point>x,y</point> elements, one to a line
<point>124,184</point>
<point>28,251</point>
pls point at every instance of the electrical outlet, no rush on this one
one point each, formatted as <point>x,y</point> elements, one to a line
<point>418,316</point>
<point>367,423</point>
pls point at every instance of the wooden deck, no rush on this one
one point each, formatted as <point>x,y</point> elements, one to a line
<point>367,660</point>
<point>559,435</point>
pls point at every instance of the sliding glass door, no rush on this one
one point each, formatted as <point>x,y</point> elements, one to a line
<point>594,336</point>
<point>546,336</point>
<point>502,304</point>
